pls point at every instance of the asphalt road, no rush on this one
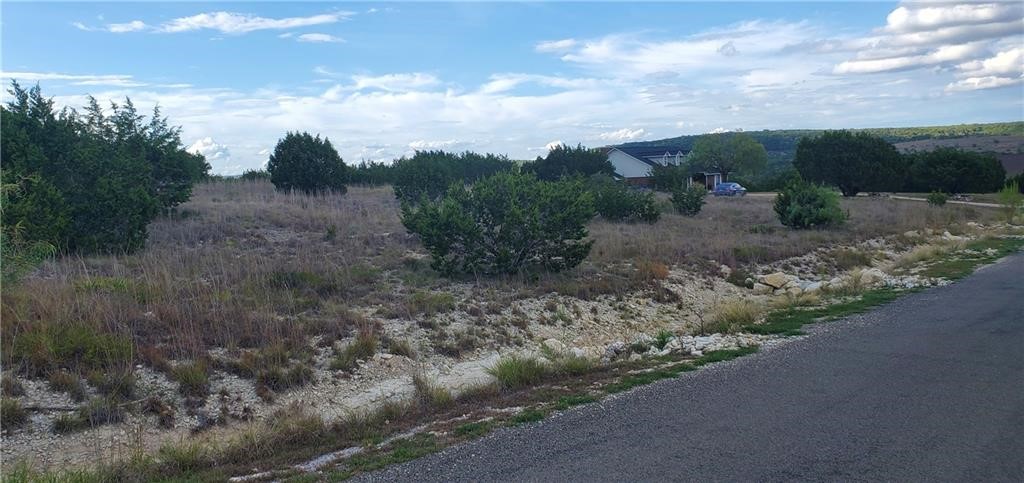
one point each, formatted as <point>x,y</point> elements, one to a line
<point>927,388</point>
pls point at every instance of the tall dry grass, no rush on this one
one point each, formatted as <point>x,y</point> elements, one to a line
<point>244,266</point>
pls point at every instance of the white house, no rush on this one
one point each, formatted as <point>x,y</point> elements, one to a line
<point>634,164</point>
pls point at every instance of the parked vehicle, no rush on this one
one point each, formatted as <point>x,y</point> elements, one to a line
<point>729,189</point>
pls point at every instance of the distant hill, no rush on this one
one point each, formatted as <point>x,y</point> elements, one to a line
<point>1006,139</point>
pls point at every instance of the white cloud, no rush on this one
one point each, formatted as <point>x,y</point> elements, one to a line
<point>319,38</point>
<point>133,26</point>
<point>979,83</point>
<point>553,144</point>
<point>623,134</point>
<point>218,155</point>
<point>286,35</point>
<point>926,35</point>
<point>555,45</point>
<point>421,145</point>
<point>76,79</point>
<point>224,22</point>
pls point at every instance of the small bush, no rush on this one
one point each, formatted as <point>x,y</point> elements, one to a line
<point>1011,200</point>
<point>362,348</point>
<point>616,201</point>
<point>514,372</point>
<point>116,384</point>
<point>937,198</point>
<point>803,205</point>
<point>662,338</point>
<point>688,201</point>
<point>504,224</point>
<point>12,415</point>
<point>573,365</point>
<point>97,412</point>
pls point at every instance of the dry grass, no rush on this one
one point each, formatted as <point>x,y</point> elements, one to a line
<point>244,267</point>
<point>730,315</point>
<point>924,253</point>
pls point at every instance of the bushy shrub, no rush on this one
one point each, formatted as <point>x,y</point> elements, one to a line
<point>805,205</point>
<point>507,223</point>
<point>954,171</point>
<point>89,181</point>
<point>937,198</point>
<point>567,161</point>
<point>618,202</point>
<point>428,174</point>
<point>308,164</point>
<point>689,200</point>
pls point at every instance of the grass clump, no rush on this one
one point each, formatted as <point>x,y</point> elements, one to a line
<point>10,386</point>
<point>977,253</point>
<point>48,347</point>
<point>399,451</point>
<point>279,379</point>
<point>12,415</point>
<point>733,314</point>
<point>662,338</point>
<point>527,416</point>
<point>97,412</point>
<point>429,394</point>
<point>849,258</point>
<point>566,402</point>
<point>514,372</point>
<point>401,347</point>
<point>474,429</point>
<point>64,381</point>
<point>193,378</point>
<point>363,347</point>
<point>429,303</point>
<point>644,378</point>
<point>115,384</point>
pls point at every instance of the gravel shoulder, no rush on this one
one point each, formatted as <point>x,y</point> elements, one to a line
<point>925,388</point>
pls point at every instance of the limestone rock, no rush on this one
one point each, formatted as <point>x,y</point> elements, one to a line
<point>775,280</point>
<point>872,276</point>
<point>762,289</point>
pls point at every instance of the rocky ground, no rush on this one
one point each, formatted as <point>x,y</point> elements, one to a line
<point>606,328</point>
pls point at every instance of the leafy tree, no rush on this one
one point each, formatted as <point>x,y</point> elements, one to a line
<point>688,200</point>
<point>669,177</point>
<point>937,198</point>
<point>805,205</point>
<point>430,173</point>
<point>17,256</point>
<point>616,201</point>
<point>728,153</point>
<point>853,162</point>
<point>89,182</point>
<point>954,171</point>
<point>306,163</point>
<point>565,160</point>
<point>507,223</point>
<point>373,173</point>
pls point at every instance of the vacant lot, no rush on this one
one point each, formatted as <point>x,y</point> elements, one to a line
<point>244,296</point>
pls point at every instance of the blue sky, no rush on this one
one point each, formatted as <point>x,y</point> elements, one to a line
<point>384,79</point>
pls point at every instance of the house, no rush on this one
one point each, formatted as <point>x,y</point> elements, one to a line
<point>634,164</point>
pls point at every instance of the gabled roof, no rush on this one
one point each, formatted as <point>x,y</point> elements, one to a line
<point>643,153</point>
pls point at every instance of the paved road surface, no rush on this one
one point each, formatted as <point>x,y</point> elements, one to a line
<point>928,388</point>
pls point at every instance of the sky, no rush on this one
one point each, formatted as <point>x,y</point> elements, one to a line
<point>382,80</point>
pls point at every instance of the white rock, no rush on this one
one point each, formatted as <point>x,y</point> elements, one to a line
<point>762,289</point>
<point>911,234</point>
<point>634,357</point>
<point>813,287</point>
<point>577,352</point>
<point>725,271</point>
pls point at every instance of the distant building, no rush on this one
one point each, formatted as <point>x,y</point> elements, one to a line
<point>634,164</point>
